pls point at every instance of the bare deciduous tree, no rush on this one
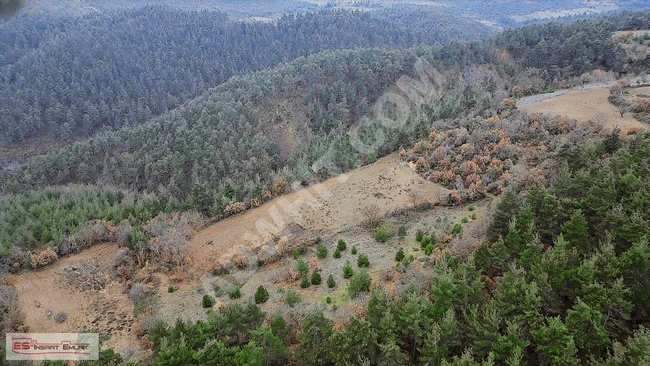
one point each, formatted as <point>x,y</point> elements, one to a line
<point>370,214</point>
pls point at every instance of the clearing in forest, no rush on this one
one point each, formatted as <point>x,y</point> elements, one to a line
<point>585,105</point>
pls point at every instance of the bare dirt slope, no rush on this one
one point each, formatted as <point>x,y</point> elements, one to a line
<point>584,105</point>
<point>326,207</point>
<point>330,209</point>
<point>56,289</point>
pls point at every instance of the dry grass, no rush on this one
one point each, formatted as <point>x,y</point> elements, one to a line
<point>585,105</point>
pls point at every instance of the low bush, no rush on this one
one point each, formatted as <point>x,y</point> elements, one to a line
<point>208,301</point>
<point>347,270</point>
<point>381,236</point>
<point>321,251</point>
<point>291,298</point>
<point>419,235</point>
<point>363,261</point>
<point>399,256</point>
<point>234,292</point>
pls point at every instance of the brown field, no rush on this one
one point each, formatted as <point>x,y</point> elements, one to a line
<point>44,293</point>
<point>585,105</point>
<point>330,206</point>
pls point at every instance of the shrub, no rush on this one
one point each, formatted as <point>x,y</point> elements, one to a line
<point>138,292</point>
<point>233,208</point>
<point>473,216</point>
<point>419,235</point>
<point>321,251</point>
<point>381,236</point>
<point>341,245</point>
<point>234,292</point>
<point>330,281</point>
<point>218,291</point>
<point>457,229</point>
<point>171,289</point>
<point>291,298</point>
<point>347,270</point>
<point>298,252</point>
<point>465,220</point>
<point>337,253</point>
<point>43,258</point>
<point>429,249</point>
<point>328,300</point>
<point>208,301</point>
<point>401,231</point>
<point>305,281</point>
<point>315,278</point>
<point>360,282</point>
<point>399,256</point>
<point>303,268</point>
<point>471,207</point>
<point>409,259</point>
<point>426,240</point>
<point>354,250</point>
<point>60,317</point>
<point>363,261</point>
<point>261,295</point>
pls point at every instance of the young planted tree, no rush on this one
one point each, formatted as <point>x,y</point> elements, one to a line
<point>304,283</point>
<point>330,281</point>
<point>363,261</point>
<point>321,251</point>
<point>399,256</point>
<point>359,282</point>
<point>315,278</point>
<point>341,245</point>
<point>347,270</point>
<point>261,295</point>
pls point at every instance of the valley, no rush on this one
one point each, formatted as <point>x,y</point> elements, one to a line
<point>374,183</point>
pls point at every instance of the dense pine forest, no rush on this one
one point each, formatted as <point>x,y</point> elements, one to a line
<point>175,126</point>
<point>135,64</point>
<point>213,149</point>
<point>564,279</point>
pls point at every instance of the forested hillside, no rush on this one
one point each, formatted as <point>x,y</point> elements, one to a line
<point>237,140</point>
<point>65,78</point>
<point>564,279</point>
<point>172,117</point>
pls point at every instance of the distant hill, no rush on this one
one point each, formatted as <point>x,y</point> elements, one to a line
<point>501,12</point>
<point>65,78</point>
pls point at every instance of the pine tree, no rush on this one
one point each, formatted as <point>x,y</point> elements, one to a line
<point>347,270</point>
<point>555,344</point>
<point>330,281</point>
<point>261,295</point>
<point>399,256</point>
<point>575,232</point>
<point>314,347</point>
<point>315,277</point>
